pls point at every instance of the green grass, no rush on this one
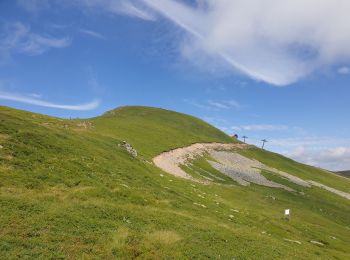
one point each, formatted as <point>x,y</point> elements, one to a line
<point>68,191</point>
<point>202,170</point>
<point>300,170</point>
<point>153,131</point>
<point>344,174</point>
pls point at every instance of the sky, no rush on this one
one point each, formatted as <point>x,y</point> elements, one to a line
<point>266,69</point>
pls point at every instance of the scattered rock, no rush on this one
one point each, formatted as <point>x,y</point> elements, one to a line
<point>1,146</point>
<point>126,220</point>
<point>161,175</point>
<point>333,237</point>
<point>235,210</point>
<point>317,243</point>
<point>45,124</point>
<point>271,197</point>
<point>85,125</point>
<point>244,170</point>
<point>293,241</point>
<point>128,148</point>
<point>231,216</point>
<point>200,205</point>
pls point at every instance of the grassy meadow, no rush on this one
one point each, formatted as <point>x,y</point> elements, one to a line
<point>69,191</point>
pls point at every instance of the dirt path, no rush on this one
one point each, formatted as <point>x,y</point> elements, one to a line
<point>241,169</point>
<point>170,161</point>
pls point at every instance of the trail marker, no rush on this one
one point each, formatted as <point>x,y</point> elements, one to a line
<point>287,214</point>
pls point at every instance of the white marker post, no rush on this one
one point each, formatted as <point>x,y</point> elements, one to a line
<point>287,214</point>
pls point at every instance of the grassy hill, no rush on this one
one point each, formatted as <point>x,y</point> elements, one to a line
<point>344,173</point>
<point>153,130</point>
<point>68,190</point>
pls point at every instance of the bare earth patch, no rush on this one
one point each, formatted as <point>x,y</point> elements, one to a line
<point>170,161</point>
<point>241,169</point>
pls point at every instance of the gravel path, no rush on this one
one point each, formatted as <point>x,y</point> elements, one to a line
<point>241,169</point>
<point>170,161</point>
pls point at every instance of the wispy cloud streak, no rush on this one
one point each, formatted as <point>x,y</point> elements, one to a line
<point>92,34</point>
<point>38,102</point>
<point>19,39</point>
<point>263,127</point>
<point>129,8</point>
<point>215,105</point>
<point>132,8</point>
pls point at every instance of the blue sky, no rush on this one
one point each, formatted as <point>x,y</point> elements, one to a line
<point>284,78</point>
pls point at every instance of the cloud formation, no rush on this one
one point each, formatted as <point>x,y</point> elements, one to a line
<point>263,127</point>
<point>278,42</point>
<point>344,70</point>
<point>19,38</point>
<point>215,105</point>
<point>336,159</point>
<point>92,34</point>
<point>331,153</point>
<point>132,8</point>
<point>38,102</point>
<point>311,141</point>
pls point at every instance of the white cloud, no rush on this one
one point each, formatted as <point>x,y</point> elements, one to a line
<point>224,104</point>
<point>336,159</point>
<point>19,39</point>
<point>275,41</point>
<point>38,102</point>
<point>263,127</point>
<point>215,105</point>
<point>332,153</point>
<point>344,70</point>
<point>35,95</point>
<point>311,141</point>
<point>92,34</point>
<point>133,8</point>
<point>129,8</point>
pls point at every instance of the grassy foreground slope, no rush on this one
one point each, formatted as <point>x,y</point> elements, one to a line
<point>68,191</point>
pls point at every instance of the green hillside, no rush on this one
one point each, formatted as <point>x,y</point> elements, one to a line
<point>69,190</point>
<point>153,130</point>
<point>344,173</point>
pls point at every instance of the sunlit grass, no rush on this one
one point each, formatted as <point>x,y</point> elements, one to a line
<point>71,192</point>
